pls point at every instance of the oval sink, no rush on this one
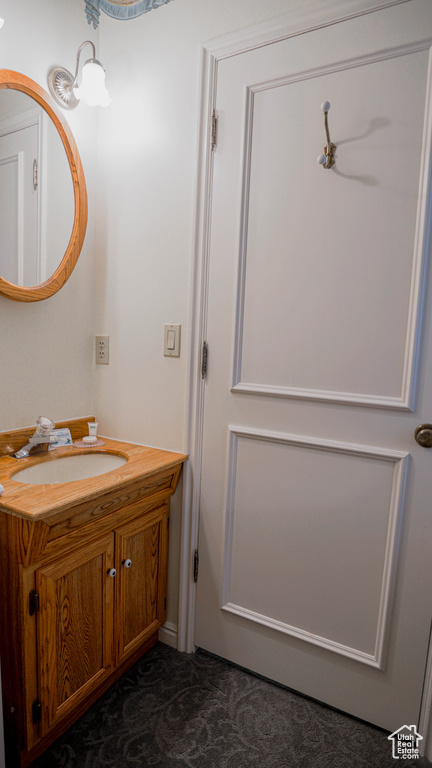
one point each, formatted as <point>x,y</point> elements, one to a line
<point>68,469</point>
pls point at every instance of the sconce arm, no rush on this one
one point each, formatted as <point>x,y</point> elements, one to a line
<point>86,42</point>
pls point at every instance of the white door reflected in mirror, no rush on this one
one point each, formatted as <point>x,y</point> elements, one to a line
<point>36,192</point>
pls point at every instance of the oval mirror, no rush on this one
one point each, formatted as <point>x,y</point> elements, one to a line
<point>43,196</point>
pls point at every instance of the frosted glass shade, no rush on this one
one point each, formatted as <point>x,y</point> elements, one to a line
<point>92,90</point>
<point>1,22</point>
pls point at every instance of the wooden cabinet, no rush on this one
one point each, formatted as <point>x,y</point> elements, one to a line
<point>97,605</point>
<point>141,558</point>
<point>85,598</point>
<point>74,627</point>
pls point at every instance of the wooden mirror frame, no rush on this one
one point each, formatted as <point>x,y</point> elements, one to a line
<point>19,82</point>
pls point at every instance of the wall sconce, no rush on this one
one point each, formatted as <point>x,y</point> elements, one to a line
<point>66,91</point>
<point>1,22</point>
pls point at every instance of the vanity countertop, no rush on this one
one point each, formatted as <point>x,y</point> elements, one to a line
<point>43,502</point>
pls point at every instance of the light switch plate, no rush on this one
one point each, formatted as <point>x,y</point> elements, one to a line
<point>172,334</point>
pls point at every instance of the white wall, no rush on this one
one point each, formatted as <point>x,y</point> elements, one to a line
<point>46,348</point>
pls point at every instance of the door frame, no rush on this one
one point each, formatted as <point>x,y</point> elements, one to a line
<point>256,36</point>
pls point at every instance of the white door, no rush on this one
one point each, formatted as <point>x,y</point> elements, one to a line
<point>315,539</point>
<point>19,206</point>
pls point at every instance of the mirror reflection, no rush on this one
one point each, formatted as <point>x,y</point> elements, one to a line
<point>36,192</point>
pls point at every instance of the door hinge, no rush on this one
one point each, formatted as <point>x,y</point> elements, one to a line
<point>33,602</point>
<point>204,357</point>
<point>36,712</point>
<point>195,566</point>
<point>35,174</point>
<point>213,131</point>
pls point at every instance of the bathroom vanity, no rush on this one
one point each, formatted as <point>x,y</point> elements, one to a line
<point>84,571</point>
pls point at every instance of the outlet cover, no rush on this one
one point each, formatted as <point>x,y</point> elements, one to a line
<point>102,350</point>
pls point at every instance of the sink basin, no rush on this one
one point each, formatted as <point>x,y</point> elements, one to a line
<point>68,469</point>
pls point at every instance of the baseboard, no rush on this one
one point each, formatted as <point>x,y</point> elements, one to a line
<point>168,634</point>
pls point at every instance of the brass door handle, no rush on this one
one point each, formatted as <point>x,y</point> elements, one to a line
<point>423,435</point>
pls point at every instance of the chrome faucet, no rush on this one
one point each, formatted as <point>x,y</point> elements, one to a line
<point>40,441</point>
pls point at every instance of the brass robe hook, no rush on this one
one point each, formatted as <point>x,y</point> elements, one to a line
<point>327,159</point>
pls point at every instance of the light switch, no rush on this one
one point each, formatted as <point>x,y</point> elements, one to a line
<point>172,340</point>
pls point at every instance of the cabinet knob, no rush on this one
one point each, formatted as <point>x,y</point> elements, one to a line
<point>111,572</point>
<point>127,563</point>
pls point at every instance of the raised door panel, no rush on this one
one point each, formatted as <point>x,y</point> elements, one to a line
<point>342,522</point>
<point>19,204</point>
<point>329,290</point>
<point>75,631</point>
<point>141,560</point>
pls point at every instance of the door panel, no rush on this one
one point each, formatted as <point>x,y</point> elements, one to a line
<point>341,523</point>
<point>314,527</point>
<point>9,214</point>
<point>19,206</point>
<point>351,341</point>
<point>74,627</point>
<point>142,557</point>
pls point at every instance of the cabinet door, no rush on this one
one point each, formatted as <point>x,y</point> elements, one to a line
<point>141,558</point>
<point>74,627</point>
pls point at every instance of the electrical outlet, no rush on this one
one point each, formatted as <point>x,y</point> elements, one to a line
<point>102,350</point>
